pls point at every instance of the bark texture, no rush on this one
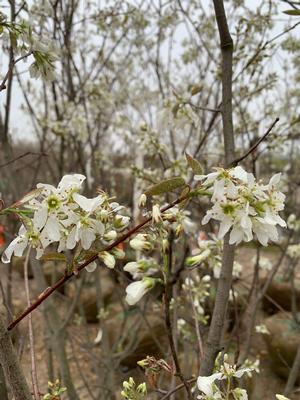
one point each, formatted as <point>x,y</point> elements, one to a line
<point>214,341</point>
<point>11,366</point>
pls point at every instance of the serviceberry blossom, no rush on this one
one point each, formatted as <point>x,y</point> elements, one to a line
<point>209,254</point>
<point>293,251</point>
<point>145,266</point>
<point>140,242</point>
<point>136,290</point>
<point>63,216</point>
<point>244,206</point>
<point>209,390</point>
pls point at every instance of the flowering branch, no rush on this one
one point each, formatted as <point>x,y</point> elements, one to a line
<point>44,295</point>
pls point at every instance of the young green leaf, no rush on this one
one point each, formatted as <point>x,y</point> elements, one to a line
<point>196,89</point>
<point>194,164</point>
<point>54,257</point>
<point>292,12</point>
<point>165,186</point>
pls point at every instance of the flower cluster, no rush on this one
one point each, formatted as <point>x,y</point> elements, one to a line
<point>293,251</point>
<point>55,390</point>
<point>62,215</point>
<point>293,222</point>
<point>244,206</point>
<point>132,392</point>
<point>144,269</point>
<point>209,390</point>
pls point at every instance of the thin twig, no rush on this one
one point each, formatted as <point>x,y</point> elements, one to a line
<point>254,147</point>
<point>168,298</point>
<point>199,339</point>
<point>28,153</point>
<point>188,381</point>
<point>35,386</point>
<point>10,70</point>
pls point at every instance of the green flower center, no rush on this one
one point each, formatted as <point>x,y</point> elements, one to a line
<point>53,203</point>
<point>228,209</point>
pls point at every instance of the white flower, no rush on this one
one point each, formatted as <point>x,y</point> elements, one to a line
<point>111,235</point>
<point>63,216</point>
<point>294,251</point>
<point>136,290</point>
<point>142,200</point>
<point>262,329</point>
<point>156,214</point>
<point>206,383</point>
<point>198,259</point>
<point>281,397</point>
<point>140,242</point>
<point>207,386</point>
<point>243,206</point>
<point>108,259</point>
<point>142,267</point>
<point>16,247</point>
<point>240,394</point>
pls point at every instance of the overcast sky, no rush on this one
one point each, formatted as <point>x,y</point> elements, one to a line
<point>20,123</point>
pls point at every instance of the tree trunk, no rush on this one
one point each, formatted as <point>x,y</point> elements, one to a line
<point>214,342</point>
<point>11,366</point>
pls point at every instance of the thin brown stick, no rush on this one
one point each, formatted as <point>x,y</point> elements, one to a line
<point>44,295</point>
<point>254,147</point>
<point>167,395</point>
<point>34,378</point>
<point>168,298</point>
<point>28,153</point>
<point>10,70</point>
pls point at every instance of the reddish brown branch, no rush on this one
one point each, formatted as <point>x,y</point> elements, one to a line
<point>43,296</point>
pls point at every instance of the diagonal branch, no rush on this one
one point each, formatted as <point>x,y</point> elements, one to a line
<point>254,147</point>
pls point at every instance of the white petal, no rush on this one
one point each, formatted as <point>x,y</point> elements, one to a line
<point>17,246</point>
<point>91,267</point>
<point>52,228</point>
<point>205,383</point>
<point>68,181</point>
<point>236,235</point>
<point>135,291</point>
<point>99,227</point>
<point>275,179</point>
<point>224,227</point>
<point>88,205</point>
<point>239,173</point>
<point>71,240</point>
<point>40,218</point>
<point>98,337</point>
<point>87,237</point>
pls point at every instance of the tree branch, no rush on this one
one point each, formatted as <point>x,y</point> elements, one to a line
<point>254,147</point>
<point>44,295</point>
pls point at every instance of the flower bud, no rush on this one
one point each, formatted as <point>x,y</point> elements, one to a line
<point>156,214</point>
<point>140,242</point>
<point>107,258</point>
<point>111,235</point>
<point>142,200</point>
